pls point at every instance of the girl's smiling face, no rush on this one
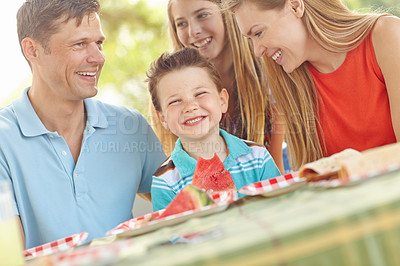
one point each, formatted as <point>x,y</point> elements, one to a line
<point>191,106</point>
<point>277,33</point>
<point>199,24</point>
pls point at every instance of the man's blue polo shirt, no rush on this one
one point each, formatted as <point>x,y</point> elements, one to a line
<point>55,197</point>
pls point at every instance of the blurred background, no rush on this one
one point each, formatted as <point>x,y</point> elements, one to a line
<point>137,33</point>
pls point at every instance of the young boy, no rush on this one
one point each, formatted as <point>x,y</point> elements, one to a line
<point>189,100</point>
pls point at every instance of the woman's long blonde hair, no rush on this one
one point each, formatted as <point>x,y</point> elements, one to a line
<point>250,81</point>
<point>335,28</point>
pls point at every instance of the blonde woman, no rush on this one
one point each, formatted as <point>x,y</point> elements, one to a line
<point>200,24</point>
<point>334,73</point>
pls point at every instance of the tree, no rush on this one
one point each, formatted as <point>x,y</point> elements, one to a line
<point>391,6</point>
<point>136,33</point>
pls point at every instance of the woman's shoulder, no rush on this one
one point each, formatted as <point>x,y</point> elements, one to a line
<point>384,29</point>
<point>386,41</point>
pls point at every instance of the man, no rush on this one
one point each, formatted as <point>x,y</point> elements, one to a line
<point>75,163</point>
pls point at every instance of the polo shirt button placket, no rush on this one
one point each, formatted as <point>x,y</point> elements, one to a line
<point>80,187</point>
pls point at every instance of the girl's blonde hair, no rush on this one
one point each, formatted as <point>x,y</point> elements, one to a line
<point>250,81</point>
<point>335,28</point>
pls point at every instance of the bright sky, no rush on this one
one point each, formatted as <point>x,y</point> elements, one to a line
<point>14,69</point>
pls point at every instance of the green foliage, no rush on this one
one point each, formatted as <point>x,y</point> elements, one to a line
<point>136,34</point>
<point>390,6</point>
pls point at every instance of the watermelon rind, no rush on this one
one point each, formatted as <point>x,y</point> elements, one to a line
<point>190,198</point>
<point>203,198</point>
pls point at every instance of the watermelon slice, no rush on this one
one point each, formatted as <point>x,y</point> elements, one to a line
<point>211,175</point>
<point>190,198</point>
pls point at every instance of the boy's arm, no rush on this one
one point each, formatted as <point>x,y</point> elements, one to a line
<point>269,169</point>
<point>162,194</point>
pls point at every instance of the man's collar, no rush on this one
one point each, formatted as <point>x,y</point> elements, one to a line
<point>32,126</point>
<point>95,117</point>
<point>28,120</point>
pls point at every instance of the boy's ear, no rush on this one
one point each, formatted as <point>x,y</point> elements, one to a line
<point>162,119</point>
<point>224,97</point>
<point>297,7</point>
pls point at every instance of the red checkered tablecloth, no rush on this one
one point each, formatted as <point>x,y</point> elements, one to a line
<point>92,255</point>
<point>58,245</point>
<point>224,196</point>
<point>134,223</point>
<point>218,197</point>
<point>272,184</point>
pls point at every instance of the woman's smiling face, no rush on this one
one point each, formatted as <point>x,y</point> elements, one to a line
<point>277,33</point>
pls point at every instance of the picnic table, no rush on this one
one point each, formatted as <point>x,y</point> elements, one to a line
<point>357,224</point>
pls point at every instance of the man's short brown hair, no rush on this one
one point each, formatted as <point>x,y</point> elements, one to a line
<point>38,19</point>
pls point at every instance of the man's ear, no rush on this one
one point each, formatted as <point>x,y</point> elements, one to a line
<point>224,97</point>
<point>297,7</point>
<point>29,48</point>
<point>162,119</point>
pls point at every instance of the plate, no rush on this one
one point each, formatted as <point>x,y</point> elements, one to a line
<point>138,226</point>
<point>353,180</point>
<point>275,186</point>
<point>224,196</point>
<point>221,201</point>
<point>55,246</point>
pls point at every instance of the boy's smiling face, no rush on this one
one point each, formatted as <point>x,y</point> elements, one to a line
<point>191,106</point>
